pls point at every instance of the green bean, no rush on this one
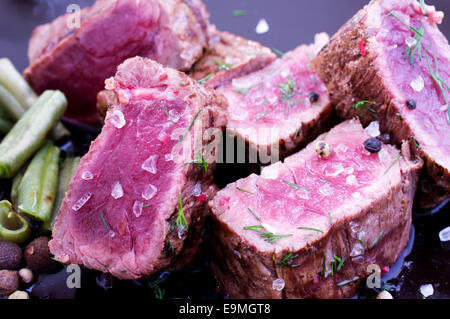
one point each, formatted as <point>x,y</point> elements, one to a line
<point>16,96</point>
<point>15,186</point>
<point>13,81</point>
<point>13,227</point>
<point>29,133</point>
<point>10,105</point>
<point>5,126</point>
<point>37,190</point>
<point>65,175</point>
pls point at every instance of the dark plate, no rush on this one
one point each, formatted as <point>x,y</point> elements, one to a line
<point>425,261</point>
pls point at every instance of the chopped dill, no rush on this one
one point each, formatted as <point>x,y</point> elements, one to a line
<point>165,110</point>
<point>239,13</point>
<point>190,127</point>
<point>287,93</point>
<point>422,5</point>
<point>364,106</point>
<point>393,163</point>
<point>222,65</point>
<point>268,236</point>
<point>336,264</point>
<point>329,218</point>
<point>278,52</point>
<point>376,240</point>
<point>287,261</point>
<point>263,115</point>
<point>324,180</point>
<point>298,131</point>
<point>181,221</point>
<point>296,187</point>
<point>347,282</point>
<point>254,215</point>
<point>416,144</point>
<point>199,162</point>
<point>244,191</point>
<point>314,229</point>
<point>206,78</point>
<point>246,90</point>
<point>146,206</point>
<point>411,52</point>
<point>104,221</point>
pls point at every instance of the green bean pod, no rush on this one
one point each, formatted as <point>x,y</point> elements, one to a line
<point>65,175</point>
<point>15,186</point>
<point>16,96</point>
<point>37,190</point>
<point>13,81</point>
<point>29,133</point>
<point>13,227</point>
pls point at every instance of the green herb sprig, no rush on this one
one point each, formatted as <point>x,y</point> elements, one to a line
<point>296,187</point>
<point>181,221</point>
<point>268,236</point>
<point>364,107</point>
<point>287,261</point>
<point>222,65</point>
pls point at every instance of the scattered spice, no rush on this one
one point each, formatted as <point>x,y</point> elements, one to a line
<point>323,149</point>
<point>362,48</point>
<point>373,145</point>
<point>411,104</point>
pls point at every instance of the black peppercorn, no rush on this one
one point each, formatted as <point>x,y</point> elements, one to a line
<point>411,104</point>
<point>384,138</point>
<point>373,145</point>
<point>313,97</point>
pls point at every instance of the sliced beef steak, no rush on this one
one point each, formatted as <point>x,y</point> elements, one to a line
<point>377,56</point>
<point>229,56</point>
<point>309,227</point>
<point>135,202</point>
<point>280,108</point>
<point>78,60</point>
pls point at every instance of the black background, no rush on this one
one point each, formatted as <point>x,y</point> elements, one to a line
<point>292,22</point>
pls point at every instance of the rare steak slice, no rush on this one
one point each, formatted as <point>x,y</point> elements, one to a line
<point>392,53</point>
<point>280,108</point>
<point>77,60</point>
<point>310,227</point>
<point>138,198</point>
<point>229,56</point>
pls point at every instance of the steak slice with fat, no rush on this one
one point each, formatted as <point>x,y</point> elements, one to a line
<point>392,54</point>
<point>310,227</point>
<point>280,108</point>
<point>78,59</point>
<point>137,200</point>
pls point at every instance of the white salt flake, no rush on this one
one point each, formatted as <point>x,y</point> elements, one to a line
<point>109,83</point>
<point>356,195</point>
<point>384,156</point>
<point>168,157</point>
<point>444,108</point>
<point>444,235</point>
<point>87,176</point>
<point>262,27</point>
<point>326,190</point>
<point>174,116</point>
<point>149,192</point>
<point>351,180</point>
<point>197,189</point>
<point>349,170</point>
<point>150,164</point>
<point>357,250</point>
<point>269,228</point>
<point>427,290</point>
<point>278,284</point>
<point>418,84</point>
<point>81,202</point>
<point>117,119</point>
<point>410,42</point>
<point>238,254</point>
<point>137,208</point>
<point>373,130</point>
<point>117,190</point>
<point>337,170</point>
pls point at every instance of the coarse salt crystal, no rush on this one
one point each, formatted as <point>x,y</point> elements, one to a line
<point>269,228</point>
<point>337,170</point>
<point>262,27</point>
<point>356,195</point>
<point>168,157</point>
<point>150,164</point>
<point>357,250</point>
<point>384,156</point>
<point>373,130</point>
<point>82,201</point>
<point>87,176</point>
<point>418,84</point>
<point>109,83</point>
<point>278,284</point>
<point>410,42</point>
<point>197,189</point>
<point>326,190</point>
<point>444,235</point>
<point>444,108</point>
<point>149,192</point>
<point>427,290</point>
<point>117,190</point>
<point>174,116</point>
<point>137,208</point>
<point>117,119</point>
<point>351,180</point>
